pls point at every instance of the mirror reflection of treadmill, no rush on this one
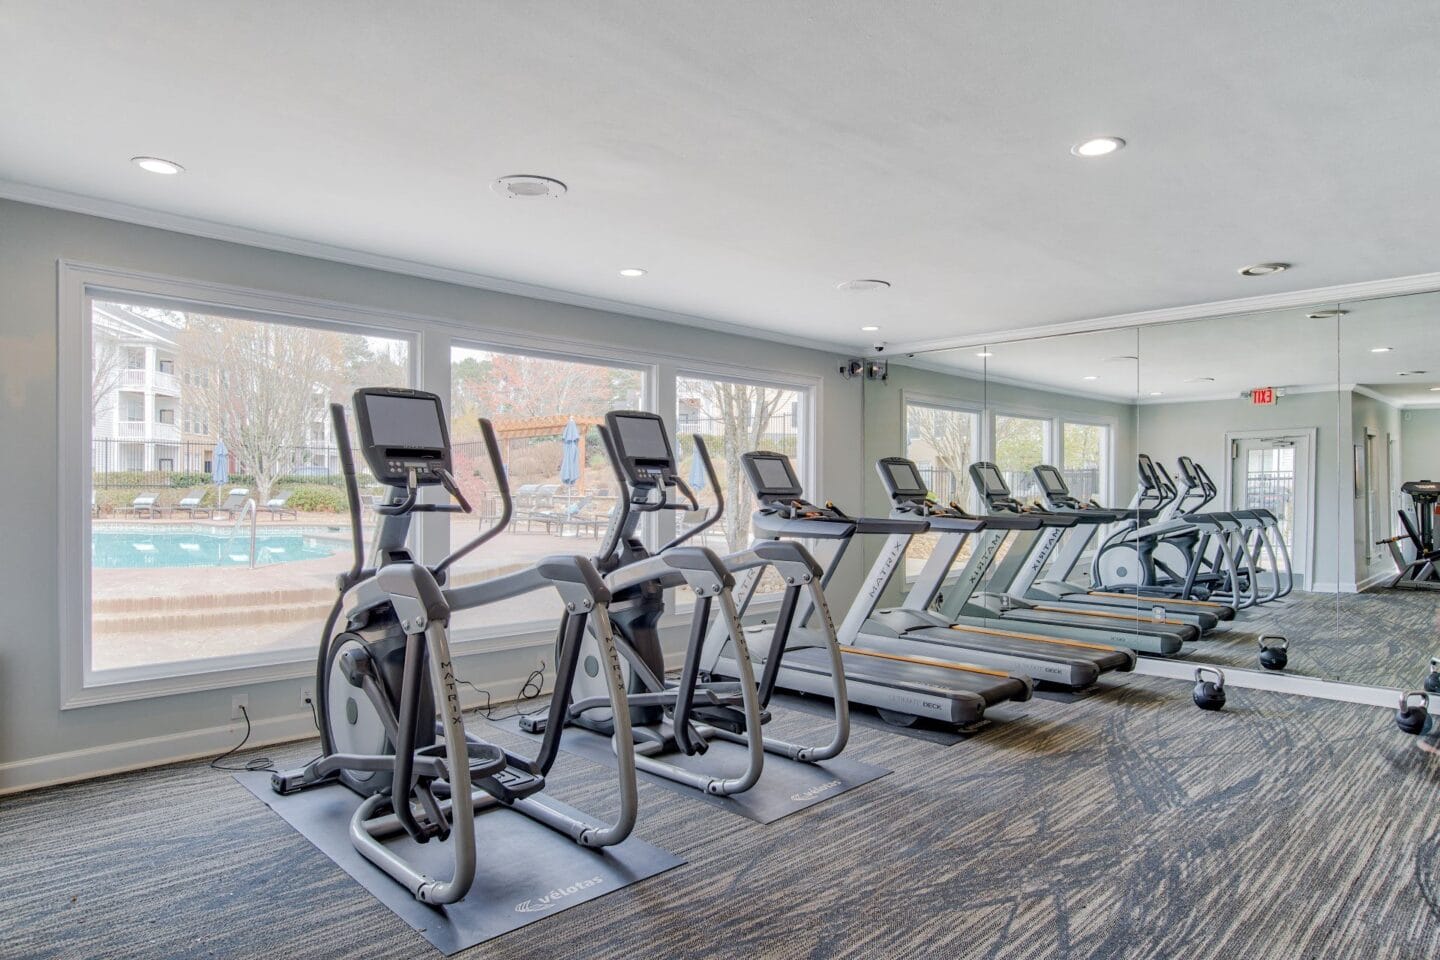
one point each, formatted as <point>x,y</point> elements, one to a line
<point>1007,582</point>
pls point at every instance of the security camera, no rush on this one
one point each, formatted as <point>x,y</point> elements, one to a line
<point>879,346</point>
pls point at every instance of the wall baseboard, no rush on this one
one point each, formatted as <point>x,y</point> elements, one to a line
<point>33,773</point>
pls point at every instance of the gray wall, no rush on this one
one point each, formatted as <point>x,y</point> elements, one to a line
<point>40,741</point>
<point>1170,430</point>
<point>1382,422</point>
<point>1420,445</point>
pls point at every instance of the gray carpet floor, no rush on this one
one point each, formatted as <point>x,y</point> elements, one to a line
<point>1123,824</point>
<point>1381,637</point>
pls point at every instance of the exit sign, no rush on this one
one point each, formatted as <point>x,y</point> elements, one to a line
<point>1263,396</point>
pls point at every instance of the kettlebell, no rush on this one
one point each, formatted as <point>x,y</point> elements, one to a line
<point>1432,679</point>
<point>1274,652</point>
<point>1209,694</point>
<point>1413,717</point>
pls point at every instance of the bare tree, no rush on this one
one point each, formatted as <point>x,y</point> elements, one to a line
<point>107,363</point>
<point>745,412</point>
<point>949,434</point>
<point>261,386</point>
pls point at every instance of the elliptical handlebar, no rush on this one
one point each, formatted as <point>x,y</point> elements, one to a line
<point>497,467</point>
<point>703,453</point>
<point>352,490</point>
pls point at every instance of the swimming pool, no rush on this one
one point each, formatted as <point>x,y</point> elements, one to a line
<point>139,547</point>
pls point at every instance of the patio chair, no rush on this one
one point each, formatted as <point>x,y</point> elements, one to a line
<point>147,504</point>
<point>275,506</point>
<point>233,503</point>
<point>190,503</point>
<point>568,513</point>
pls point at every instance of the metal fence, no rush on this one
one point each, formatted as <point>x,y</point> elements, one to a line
<point>110,458</point>
<point>947,485</point>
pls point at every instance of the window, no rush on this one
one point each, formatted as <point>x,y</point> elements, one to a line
<point>545,411</point>
<point>1021,443</point>
<point>734,417</point>
<point>943,442</point>
<point>174,593</point>
<point>166,366</point>
<point>1087,460</point>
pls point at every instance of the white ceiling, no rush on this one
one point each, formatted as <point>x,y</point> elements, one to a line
<point>751,155</point>
<point>1286,349</point>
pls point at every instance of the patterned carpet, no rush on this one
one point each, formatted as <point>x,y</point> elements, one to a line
<point>1381,637</point>
<point>1126,824</point>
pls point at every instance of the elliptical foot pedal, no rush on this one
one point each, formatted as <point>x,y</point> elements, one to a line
<point>509,784</point>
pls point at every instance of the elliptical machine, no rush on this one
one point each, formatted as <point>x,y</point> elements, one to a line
<point>385,665</point>
<point>685,715</point>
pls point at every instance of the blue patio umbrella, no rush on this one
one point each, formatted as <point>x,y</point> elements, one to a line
<point>219,468</point>
<point>570,459</point>
<point>697,471</point>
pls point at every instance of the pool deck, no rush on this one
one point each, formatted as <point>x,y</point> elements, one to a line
<point>160,614</point>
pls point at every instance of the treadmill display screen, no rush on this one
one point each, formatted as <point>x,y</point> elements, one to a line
<point>774,474</point>
<point>404,422</point>
<point>905,479</point>
<point>1051,481</point>
<point>992,481</point>
<point>643,438</point>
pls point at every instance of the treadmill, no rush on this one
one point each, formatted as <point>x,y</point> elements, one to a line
<point>914,627</point>
<point>901,687</point>
<point>1154,633</point>
<point>1068,549</point>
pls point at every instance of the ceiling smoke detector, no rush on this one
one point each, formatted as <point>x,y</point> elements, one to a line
<point>1263,269</point>
<point>1201,380</point>
<point>1410,373</point>
<point>862,286</point>
<point>524,186</point>
<point>1326,314</point>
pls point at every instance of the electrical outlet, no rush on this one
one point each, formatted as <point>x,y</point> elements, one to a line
<point>307,697</point>
<point>239,702</point>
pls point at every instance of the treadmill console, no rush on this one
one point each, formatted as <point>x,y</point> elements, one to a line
<point>993,488</point>
<point>778,489</point>
<point>402,431</point>
<point>643,447</point>
<point>909,492</point>
<point>1422,491</point>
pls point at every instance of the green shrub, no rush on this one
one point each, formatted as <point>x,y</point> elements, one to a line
<point>316,498</point>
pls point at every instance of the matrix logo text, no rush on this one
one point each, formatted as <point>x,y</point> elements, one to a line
<point>541,904</point>
<point>815,791</point>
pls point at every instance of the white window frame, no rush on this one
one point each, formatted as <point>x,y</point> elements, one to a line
<point>980,437</point>
<point>1112,424</point>
<point>80,285</point>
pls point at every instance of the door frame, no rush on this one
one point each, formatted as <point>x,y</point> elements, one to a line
<point>1312,434</point>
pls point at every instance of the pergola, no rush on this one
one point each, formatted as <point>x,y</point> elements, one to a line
<point>530,428</point>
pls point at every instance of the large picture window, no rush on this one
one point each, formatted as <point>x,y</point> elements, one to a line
<point>943,442</point>
<point>1087,460</point>
<point>1020,444</point>
<point>216,511</point>
<point>545,410</point>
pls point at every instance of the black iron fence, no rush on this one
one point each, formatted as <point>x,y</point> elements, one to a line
<point>130,463</point>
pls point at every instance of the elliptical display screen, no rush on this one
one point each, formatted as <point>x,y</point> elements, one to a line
<point>905,479</point>
<point>410,422</point>
<point>643,438</point>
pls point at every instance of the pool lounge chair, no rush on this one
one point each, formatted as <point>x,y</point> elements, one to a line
<point>190,503</point>
<point>275,506</point>
<point>233,504</point>
<point>147,504</point>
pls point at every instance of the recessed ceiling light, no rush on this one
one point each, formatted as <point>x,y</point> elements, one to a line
<point>1381,349</point>
<point>984,353</point>
<point>1201,380</point>
<point>1097,146</point>
<point>1435,389</point>
<point>166,168</point>
<point>1090,377</point>
<point>1263,269</point>
<point>861,286</point>
<point>869,328</point>
<point>525,186</point>
<point>1326,314</point>
<point>632,272</point>
<point>1120,358</point>
<point>1156,393</point>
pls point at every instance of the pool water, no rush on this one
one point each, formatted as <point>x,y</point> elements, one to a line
<point>202,547</point>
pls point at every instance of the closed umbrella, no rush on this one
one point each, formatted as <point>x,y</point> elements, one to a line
<point>570,459</point>
<point>697,472</point>
<point>219,468</point>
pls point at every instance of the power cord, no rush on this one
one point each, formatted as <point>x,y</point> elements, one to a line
<point>254,763</point>
<point>531,689</point>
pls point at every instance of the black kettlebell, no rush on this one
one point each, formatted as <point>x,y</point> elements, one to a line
<point>1432,679</point>
<point>1274,652</point>
<point>1209,694</point>
<point>1413,717</point>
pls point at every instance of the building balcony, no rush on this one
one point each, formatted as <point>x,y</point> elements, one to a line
<point>146,430</point>
<point>152,381</point>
